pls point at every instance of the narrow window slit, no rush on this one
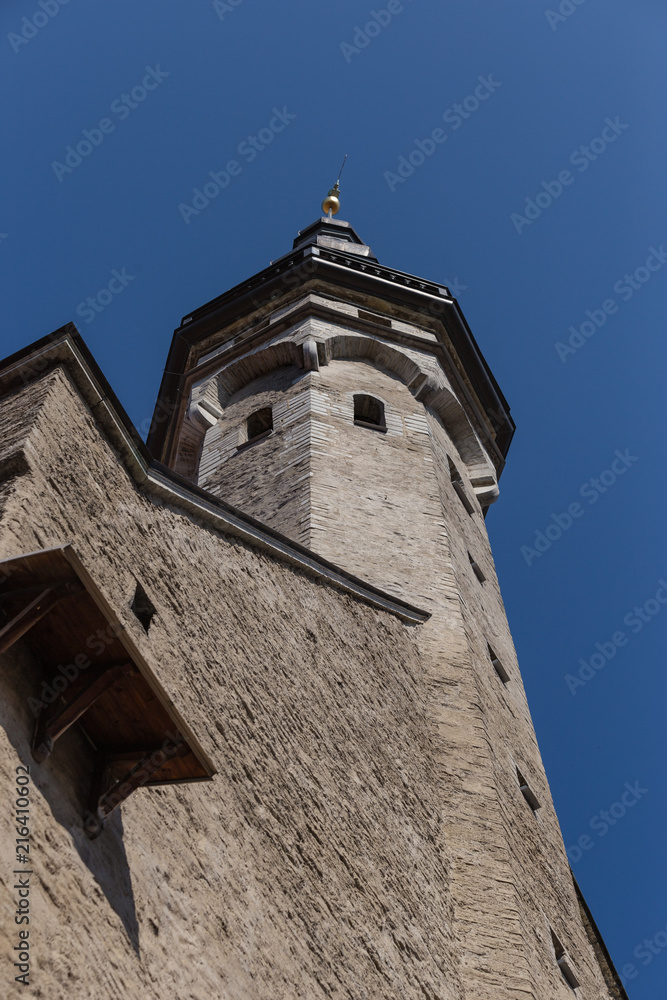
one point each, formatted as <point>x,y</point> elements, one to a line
<point>527,792</point>
<point>476,569</point>
<point>563,963</point>
<point>498,667</point>
<point>459,488</point>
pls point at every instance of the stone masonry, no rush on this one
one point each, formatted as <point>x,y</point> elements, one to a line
<point>326,618</point>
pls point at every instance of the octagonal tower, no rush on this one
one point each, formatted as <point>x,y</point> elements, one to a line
<point>347,406</point>
<point>340,402</point>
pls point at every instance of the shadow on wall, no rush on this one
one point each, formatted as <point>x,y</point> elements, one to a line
<point>62,784</point>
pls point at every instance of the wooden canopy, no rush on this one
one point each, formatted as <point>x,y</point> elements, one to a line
<point>93,675</point>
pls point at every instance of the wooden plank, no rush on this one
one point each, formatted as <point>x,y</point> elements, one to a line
<point>82,693</point>
<point>24,620</point>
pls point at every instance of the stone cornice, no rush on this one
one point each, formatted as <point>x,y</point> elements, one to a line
<point>338,272</point>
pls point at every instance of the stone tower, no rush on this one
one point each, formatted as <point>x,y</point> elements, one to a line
<point>346,405</point>
<point>257,674</point>
<point>341,402</point>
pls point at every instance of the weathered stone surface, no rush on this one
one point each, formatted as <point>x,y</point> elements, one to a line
<point>364,835</point>
<point>271,478</point>
<point>383,506</point>
<point>305,866</point>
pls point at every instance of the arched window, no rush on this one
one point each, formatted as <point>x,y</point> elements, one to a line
<point>369,412</point>
<point>259,423</point>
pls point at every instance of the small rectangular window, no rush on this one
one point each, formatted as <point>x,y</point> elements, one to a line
<point>258,426</point>
<point>260,423</point>
<point>498,667</point>
<point>369,412</point>
<point>527,792</point>
<point>476,570</point>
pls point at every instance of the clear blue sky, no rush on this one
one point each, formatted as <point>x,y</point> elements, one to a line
<point>552,84</point>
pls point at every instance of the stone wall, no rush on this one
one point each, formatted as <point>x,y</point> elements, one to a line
<point>383,506</point>
<point>270,478</point>
<point>365,836</point>
<point>313,863</point>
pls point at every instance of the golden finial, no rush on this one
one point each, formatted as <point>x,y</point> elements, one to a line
<point>331,203</point>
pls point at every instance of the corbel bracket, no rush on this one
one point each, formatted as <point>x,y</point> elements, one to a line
<point>137,767</point>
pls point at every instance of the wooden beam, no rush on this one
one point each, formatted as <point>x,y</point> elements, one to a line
<point>46,599</point>
<point>83,692</point>
<point>33,589</point>
<point>29,616</point>
<point>107,795</point>
<point>93,823</point>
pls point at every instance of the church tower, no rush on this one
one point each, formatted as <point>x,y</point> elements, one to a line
<point>346,405</point>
